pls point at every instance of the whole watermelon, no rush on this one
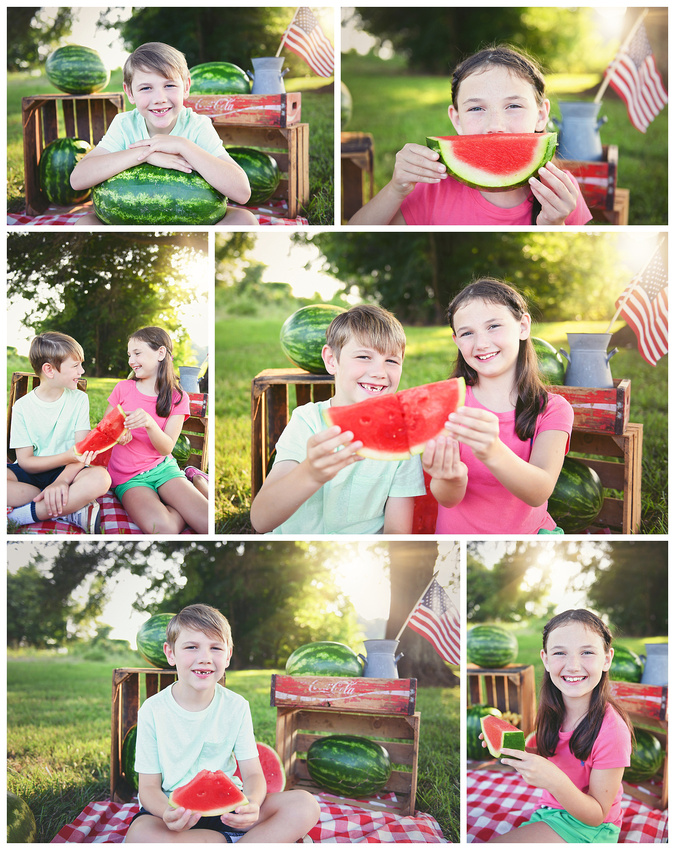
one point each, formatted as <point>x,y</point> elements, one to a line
<point>348,765</point>
<point>129,758</point>
<point>262,171</point>
<point>626,666</point>
<point>324,658</point>
<point>577,497</point>
<point>148,194</point>
<point>56,165</point>
<point>303,335</point>
<point>182,450</point>
<point>77,70</point>
<point>218,78</point>
<point>551,365</point>
<point>151,638</point>
<point>346,105</point>
<point>474,748</point>
<point>646,758</point>
<point>491,646</point>
<point>21,827</point>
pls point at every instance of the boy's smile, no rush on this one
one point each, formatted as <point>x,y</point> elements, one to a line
<point>69,374</point>
<point>362,372</point>
<point>158,99</point>
<point>201,661</point>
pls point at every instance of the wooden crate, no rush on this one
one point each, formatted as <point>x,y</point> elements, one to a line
<point>81,116</point>
<point>597,180</point>
<point>270,411</point>
<point>289,146</point>
<point>196,430</point>
<point>261,110</point>
<point>597,409</point>
<point>362,694</point>
<point>509,688</point>
<point>357,161</point>
<point>305,716</point>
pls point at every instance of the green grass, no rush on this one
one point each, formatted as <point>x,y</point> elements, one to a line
<point>396,108</point>
<point>58,738</point>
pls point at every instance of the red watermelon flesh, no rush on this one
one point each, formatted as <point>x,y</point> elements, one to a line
<point>210,792</point>
<point>105,434</point>
<point>272,768</point>
<point>394,427</point>
<point>499,733</point>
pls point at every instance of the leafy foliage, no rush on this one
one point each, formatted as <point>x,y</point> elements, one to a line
<point>31,35</point>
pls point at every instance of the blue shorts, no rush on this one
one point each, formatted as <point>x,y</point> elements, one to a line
<point>214,823</point>
<point>35,479</point>
<point>572,830</point>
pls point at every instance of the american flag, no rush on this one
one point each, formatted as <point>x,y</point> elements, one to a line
<point>437,620</point>
<point>646,309</point>
<point>306,39</point>
<point>637,81</point>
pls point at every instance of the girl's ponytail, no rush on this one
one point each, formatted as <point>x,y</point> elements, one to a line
<point>167,383</point>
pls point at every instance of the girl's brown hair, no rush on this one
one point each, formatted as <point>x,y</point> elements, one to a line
<point>532,397</point>
<point>167,382</point>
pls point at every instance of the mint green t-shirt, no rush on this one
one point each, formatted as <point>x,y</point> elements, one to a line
<point>354,501</point>
<point>178,743</point>
<point>49,426</point>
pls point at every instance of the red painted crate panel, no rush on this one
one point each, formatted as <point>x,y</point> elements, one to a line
<point>647,700</point>
<point>343,693</point>
<point>264,110</point>
<point>597,180</point>
<point>596,409</point>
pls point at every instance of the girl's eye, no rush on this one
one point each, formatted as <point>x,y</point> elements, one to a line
<point>515,106</point>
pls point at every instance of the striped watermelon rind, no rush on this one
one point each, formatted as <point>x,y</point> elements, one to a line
<point>21,826</point>
<point>577,497</point>
<point>349,765</point>
<point>76,69</point>
<point>626,666</point>
<point>55,167</point>
<point>182,449</point>
<point>499,733</point>
<point>151,638</point>
<point>128,762</point>
<point>148,194</point>
<point>491,646</point>
<point>219,78</point>
<point>303,336</point>
<point>551,366</point>
<point>646,759</point>
<point>324,658</point>
<point>262,171</point>
<point>474,749</point>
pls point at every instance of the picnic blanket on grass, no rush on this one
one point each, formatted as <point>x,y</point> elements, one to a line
<point>107,822</point>
<point>497,801</point>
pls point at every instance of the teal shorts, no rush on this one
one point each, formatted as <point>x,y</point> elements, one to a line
<point>573,831</point>
<point>556,530</point>
<point>152,478</point>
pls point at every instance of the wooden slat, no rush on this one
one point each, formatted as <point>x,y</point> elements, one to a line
<point>358,694</point>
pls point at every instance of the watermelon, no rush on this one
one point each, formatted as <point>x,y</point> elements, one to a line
<point>105,434</point>
<point>398,425</point>
<point>272,768</point>
<point>474,749</point>
<point>77,70</point>
<point>494,160</point>
<point>151,638</point>
<point>551,366</point>
<point>182,450</point>
<point>210,792</point>
<point>577,497</point>
<point>56,165</point>
<point>499,733</point>
<point>646,759</point>
<point>346,106</point>
<point>21,827</point>
<point>626,666</point>
<point>303,335</point>
<point>324,658</point>
<point>148,194</point>
<point>219,78</point>
<point>531,741</point>
<point>348,765</point>
<point>127,765</point>
<point>262,171</point>
<point>491,646</point>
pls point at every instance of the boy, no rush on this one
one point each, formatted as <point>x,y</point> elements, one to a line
<point>48,480</point>
<point>318,484</point>
<point>197,724</point>
<point>163,132</point>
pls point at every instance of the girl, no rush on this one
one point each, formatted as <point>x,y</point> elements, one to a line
<point>145,476</point>
<point>583,738</point>
<point>497,90</point>
<point>498,465</point>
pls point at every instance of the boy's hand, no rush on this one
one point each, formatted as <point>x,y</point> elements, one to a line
<point>416,164</point>
<point>55,497</point>
<point>180,819</point>
<point>243,817</point>
<point>556,193</point>
<point>440,459</point>
<point>322,458</point>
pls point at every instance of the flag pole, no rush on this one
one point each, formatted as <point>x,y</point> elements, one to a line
<point>636,280</point>
<point>407,619</point>
<point>283,37</point>
<point>625,43</point>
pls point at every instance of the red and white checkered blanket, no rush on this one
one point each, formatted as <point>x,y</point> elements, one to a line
<point>107,822</point>
<point>497,801</point>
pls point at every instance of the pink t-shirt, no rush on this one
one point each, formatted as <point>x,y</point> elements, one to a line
<point>488,507</point>
<point>452,202</point>
<point>611,749</point>
<point>139,455</point>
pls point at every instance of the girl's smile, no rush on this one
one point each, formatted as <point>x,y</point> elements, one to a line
<point>488,336</point>
<point>575,658</point>
<point>143,359</point>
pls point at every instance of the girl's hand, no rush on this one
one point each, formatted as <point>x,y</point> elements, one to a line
<point>137,419</point>
<point>416,164</point>
<point>476,428</point>
<point>556,192</point>
<point>125,438</point>
<point>440,460</point>
<point>535,770</point>
<point>180,819</point>
<point>243,817</point>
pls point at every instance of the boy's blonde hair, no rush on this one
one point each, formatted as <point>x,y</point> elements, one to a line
<point>53,347</point>
<point>369,324</point>
<point>158,57</point>
<point>199,618</point>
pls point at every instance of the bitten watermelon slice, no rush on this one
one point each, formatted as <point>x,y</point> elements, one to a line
<point>494,160</point>
<point>105,434</point>
<point>210,792</point>
<point>499,733</point>
<point>396,426</point>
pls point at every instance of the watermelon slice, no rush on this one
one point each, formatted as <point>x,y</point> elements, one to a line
<point>499,733</point>
<point>210,792</point>
<point>494,160</point>
<point>272,768</point>
<point>105,434</point>
<point>396,426</point>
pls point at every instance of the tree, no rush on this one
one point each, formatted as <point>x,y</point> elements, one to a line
<point>32,34</point>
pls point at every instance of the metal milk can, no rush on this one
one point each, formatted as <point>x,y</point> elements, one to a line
<point>267,75</point>
<point>588,361</point>
<point>381,659</point>
<point>579,130</point>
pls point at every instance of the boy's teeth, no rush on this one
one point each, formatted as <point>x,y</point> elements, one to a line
<point>372,388</point>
